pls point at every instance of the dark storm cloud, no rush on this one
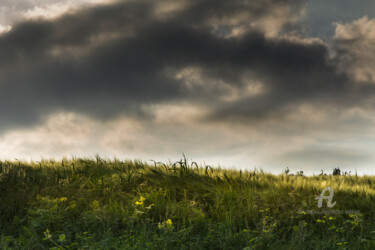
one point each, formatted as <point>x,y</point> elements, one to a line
<point>113,59</point>
<point>293,74</point>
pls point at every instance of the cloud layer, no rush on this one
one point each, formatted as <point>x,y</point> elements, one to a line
<point>123,57</point>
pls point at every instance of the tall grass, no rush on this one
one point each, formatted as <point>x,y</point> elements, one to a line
<point>100,203</point>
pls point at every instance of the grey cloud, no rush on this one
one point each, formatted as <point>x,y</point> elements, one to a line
<point>109,60</point>
<point>355,46</point>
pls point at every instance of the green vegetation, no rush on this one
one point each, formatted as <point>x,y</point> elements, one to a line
<point>109,204</point>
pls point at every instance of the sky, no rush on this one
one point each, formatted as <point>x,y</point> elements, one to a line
<point>264,84</point>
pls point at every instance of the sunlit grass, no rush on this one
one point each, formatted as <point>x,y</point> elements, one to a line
<point>102,203</point>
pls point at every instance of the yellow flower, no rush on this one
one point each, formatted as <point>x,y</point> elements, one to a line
<point>169,223</point>
<point>165,225</point>
<point>140,202</point>
<point>62,199</point>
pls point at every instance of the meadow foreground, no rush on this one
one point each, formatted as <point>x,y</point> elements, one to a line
<point>110,204</point>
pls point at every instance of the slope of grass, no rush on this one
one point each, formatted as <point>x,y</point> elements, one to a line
<point>108,204</point>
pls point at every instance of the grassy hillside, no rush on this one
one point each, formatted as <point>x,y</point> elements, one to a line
<point>98,203</point>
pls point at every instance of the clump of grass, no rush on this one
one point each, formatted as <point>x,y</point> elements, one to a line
<point>101,203</point>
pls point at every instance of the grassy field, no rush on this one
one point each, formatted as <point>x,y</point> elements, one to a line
<point>109,204</point>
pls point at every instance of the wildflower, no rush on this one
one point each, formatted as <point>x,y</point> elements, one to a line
<point>169,223</point>
<point>140,202</point>
<point>165,225</point>
<point>62,199</point>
